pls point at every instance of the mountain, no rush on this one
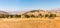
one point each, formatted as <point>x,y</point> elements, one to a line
<point>55,10</point>
<point>38,12</point>
<point>3,12</point>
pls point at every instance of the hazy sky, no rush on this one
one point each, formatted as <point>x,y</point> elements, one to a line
<point>13,5</point>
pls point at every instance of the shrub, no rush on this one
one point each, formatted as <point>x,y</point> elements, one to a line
<point>18,16</point>
<point>33,16</point>
<point>46,15</point>
<point>11,16</point>
<point>40,15</point>
<point>52,15</point>
<point>26,16</point>
<point>3,16</point>
<point>6,16</point>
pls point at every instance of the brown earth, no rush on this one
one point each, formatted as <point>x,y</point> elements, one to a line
<point>29,23</point>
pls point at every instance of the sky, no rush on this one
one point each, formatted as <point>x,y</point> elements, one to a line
<point>26,5</point>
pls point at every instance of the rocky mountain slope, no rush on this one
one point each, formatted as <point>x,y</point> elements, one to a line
<point>3,12</point>
<point>41,12</point>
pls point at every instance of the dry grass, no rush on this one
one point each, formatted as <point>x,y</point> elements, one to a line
<point>29,23</point>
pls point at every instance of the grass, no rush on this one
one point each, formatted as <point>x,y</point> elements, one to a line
<point>29,23</point>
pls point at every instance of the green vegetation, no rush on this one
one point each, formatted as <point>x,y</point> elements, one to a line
<point>11,16</point>
<point>46,15</point>
<point>4,16</point>
<point>52,15</point>
<point>26,16</point>
<point>32,16</point>
<point>40,15</point>
<point>18,16</point>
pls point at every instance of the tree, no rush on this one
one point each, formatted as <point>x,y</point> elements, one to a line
<point>33,16</point>
<point>46,15</point>
<point>18,16</point>
<point>52,15</point>
<point>26,16</point>
<point>6,16</point>
<point>11,16</point>
<point>41,15</point>
<point>2,16</point>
